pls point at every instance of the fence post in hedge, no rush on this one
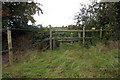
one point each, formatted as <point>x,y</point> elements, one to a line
<point>71,35</point>
<point>100,33</point>
<point>83,35</point>
<point>50,37</point>
<point>79,36</point>
<point>10,45</point>
<point>54,43</point>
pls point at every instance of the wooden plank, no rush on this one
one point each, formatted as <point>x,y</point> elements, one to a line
<point>68,30</point>
<point>101,33</point>
<point>65,37</point>
<point>54,39</point>
<point>74,30</point>
<point>71,38</point>
<point>83,35</point>
<point>79,35</point>
<point>50,38</point>
<point>71,35</point>
<point>10,46</point>
<point>92,30</point>
<point>54,43</point>
<point>66,40</point>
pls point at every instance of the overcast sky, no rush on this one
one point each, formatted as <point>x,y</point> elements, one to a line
<point>58,12</point>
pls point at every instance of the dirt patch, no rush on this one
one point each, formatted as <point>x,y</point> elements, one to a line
<point>111,45</point>
<point>114,45</point>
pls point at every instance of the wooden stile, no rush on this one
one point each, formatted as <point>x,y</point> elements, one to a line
<point>70,38</point>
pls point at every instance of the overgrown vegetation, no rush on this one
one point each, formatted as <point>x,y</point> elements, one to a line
<point>70,61</point>
<point>94,60</point>
<point>30,38</point>
<point>97,15</point>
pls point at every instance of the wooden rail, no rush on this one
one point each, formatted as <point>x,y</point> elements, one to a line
<point>80,37</point>
<point>75,30</point>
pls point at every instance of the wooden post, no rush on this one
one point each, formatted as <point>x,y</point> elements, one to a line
<point>54,42</point>
<point>83,35</point>
<point>71,35</point>
<point>10,45</point>
<point>79,35</point>
<point>50,37</point>
<point>100,33</point>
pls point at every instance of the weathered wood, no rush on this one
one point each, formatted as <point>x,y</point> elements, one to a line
<point>74,30</point>
<point>73,39</point>
<point>79,35</point>
<point>53,39</point>
<point>68,30</point>
<point>54,43</point>
<point>83,35</point>
<point>66,40</point>
<point>50,37</point>
<point>101,33</point>
<point>92,30</point>
<point>71,35</point>
<point>10,45</point>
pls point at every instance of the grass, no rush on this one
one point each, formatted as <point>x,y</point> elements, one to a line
<point>70,61</point>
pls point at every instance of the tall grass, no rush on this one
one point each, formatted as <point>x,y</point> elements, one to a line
<point>70,61</point>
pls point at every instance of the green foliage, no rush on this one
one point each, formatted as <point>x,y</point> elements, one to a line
<point>40,34</point>
<point>17,14</point>
<point>105,15</point>
<point>71,27</point>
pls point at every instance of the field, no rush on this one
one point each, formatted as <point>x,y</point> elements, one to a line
<point>69,61</point>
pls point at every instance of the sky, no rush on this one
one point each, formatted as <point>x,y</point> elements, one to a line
<point>58,12</point>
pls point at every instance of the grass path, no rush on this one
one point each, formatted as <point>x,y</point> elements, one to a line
<point>70,61</point>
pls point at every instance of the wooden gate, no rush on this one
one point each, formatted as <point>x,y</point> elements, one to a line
<point>82,37</point>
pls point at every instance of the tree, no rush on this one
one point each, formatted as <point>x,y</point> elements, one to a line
<point>86,16</point>
<point>17,14</point>
<point>103,14</point>
<point>99,15</point>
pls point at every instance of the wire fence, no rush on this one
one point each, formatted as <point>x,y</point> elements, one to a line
<point>26,46</point>
<point>23,28</point>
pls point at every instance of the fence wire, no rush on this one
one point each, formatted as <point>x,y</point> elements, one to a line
<point>25,46</point>
<point>28,29</point>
